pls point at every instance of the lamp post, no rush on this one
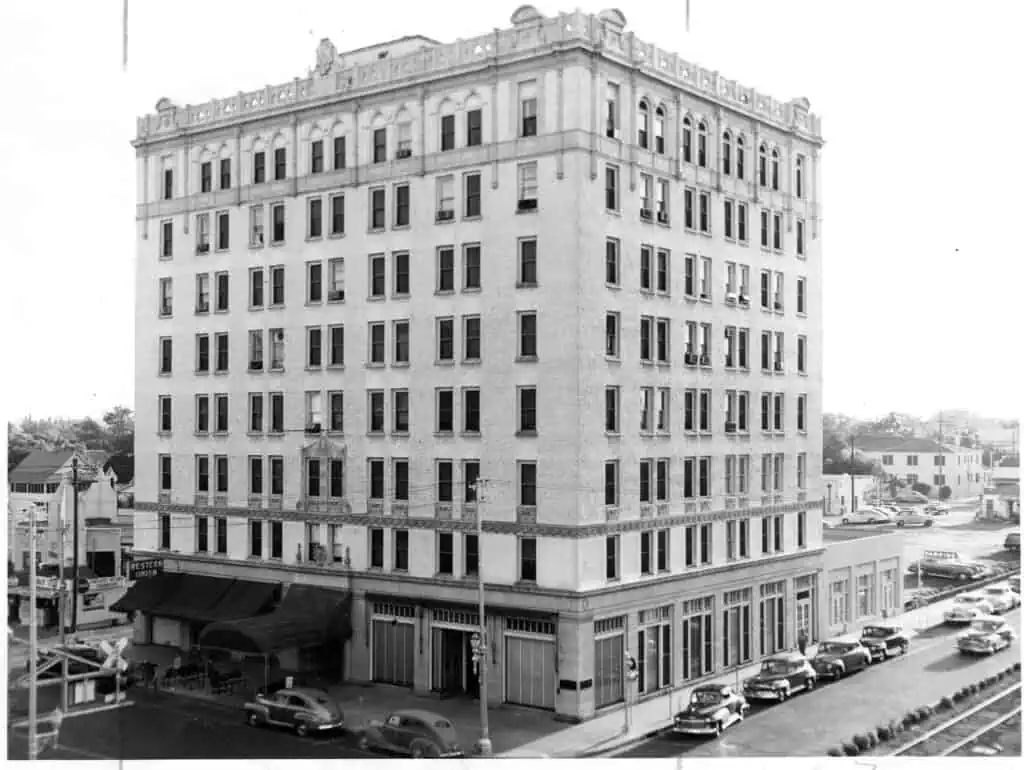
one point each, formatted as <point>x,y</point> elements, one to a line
<point>479,639</point>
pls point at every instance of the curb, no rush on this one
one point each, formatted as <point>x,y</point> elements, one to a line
<point>603,751</point>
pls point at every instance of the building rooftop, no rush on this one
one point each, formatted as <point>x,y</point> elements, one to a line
<point>899,444</point>
<point>38,467</point>
<point>531,34</point>
<point>123,467</point>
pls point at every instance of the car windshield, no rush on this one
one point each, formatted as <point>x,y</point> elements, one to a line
<point>968,599</point>
<point>834,648</point>
<point>324,701</point>
<point>442,724</point>
<point>997,591</point>
<point>876,632</point>
<point>774,667</point>
<point>706,697</point>
<point>985,626</point>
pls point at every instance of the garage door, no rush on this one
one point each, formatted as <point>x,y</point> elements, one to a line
<point>531,677</point>
<point>166,631</point>
<point>393,652</point>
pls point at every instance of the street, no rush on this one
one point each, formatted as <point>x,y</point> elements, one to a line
<point>161,726</point>
<point>811,723</point>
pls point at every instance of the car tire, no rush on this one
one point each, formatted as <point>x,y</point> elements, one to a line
<point>783,694</point>
<point>718,728</point>
<point>363,744</point>
<point>901,524</point>
<point>810,684</point>
<point>929,523</point>
<point>416,750</point>
<point>838,672</point>
<point>904,648</point>
<point>302,729</point>
<point>252,719</point>
<point>844,521</point>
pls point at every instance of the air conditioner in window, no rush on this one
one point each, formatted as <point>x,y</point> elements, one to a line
<point>730,298</point>
<point>705,360</point>
<point>663,217</point>
<point>690,359</point>
<point>445,215</point>
<point>778,366</point>
<point>335,295</point>
<point>645,214</point>
<point>744,299</point>
<point>313,427</point>
<point>705,295</point>
<point>730,427</point>
<point>256,366</point>
<point>778,305</point>
<point>202,248</point>
<point>403,152</point>
<point>202,307</point>
<point>527,204</point>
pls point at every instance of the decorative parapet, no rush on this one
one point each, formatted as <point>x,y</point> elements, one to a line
<point>531,35</point>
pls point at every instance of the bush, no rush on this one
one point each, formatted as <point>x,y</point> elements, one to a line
<point>862,742</point>
<point>945,492</point>
<point>909,719</point>
<point>872,738</point>
<point>946,703</point>
<point>850,749</point>
<point>924,713</point>
<point>895,727</point>
<point>835,752</point>
<point>884,733</point>
<point>924,489</point>
<point>1016,666</point>
<point>972,689</point>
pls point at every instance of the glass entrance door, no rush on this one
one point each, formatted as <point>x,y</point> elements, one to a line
<point>803,615</point>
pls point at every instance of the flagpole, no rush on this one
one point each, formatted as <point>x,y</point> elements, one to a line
<point>687,13</point>
<point>124,31</point>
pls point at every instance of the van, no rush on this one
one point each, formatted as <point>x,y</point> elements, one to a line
<point>1012,542</point>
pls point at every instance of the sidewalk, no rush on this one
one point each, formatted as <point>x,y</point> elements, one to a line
<point>605,733</point>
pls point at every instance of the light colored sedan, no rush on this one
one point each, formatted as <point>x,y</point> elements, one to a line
<point>907,518</point>
<point>1001,597</point>
<point>866,516</point>
<point>967,607</point>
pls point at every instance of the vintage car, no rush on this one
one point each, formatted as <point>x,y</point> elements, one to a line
<point>987,635</point>
<point>884,640</point>
<point>1014,583</point>
<point>413,732</point>
<point>866,516</point>
<point>911,518</point>
<point>837,657</point>
<point>936,509</point>
<point>1001,597</point>
<point>780,676</point>
<point>966,607</point>
<point>712,708</point>
<point>1012,541</point>
<point>953,569</point>
<point>302,709</point>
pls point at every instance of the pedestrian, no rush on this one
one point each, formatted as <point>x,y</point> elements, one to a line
<point>801,641</point>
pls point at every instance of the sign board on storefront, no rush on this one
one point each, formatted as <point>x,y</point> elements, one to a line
<point>92,602</point>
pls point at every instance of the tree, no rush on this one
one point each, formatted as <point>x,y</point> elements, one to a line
<point>894,423</point>
<point>924,489</point>
<point>92,434</point>
<point>945,492</point>
<point>121,422</point>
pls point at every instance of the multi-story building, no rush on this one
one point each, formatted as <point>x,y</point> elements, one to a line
<point>552,257</point>
<point>925,461</point>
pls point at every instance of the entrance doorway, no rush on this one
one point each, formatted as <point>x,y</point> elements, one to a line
<point>803,615</point>
<point>453,672</point>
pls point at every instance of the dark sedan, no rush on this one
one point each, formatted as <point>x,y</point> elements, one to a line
<point>836,658</point>
<point>883,641</point>
<point>780,676</point>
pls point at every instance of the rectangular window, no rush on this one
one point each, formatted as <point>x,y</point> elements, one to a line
<point>259,167</point>
<point>166,306</point>
<point>527,186</point>
<point>801,295</point>
<point>221,347</point>
<point>611,482</point>
<point>255,412</point>
<point>446,269</point>
<point>611,188</point>
<point>528,108</point>
<point>168,184</point>
<point>445,410</point>
<point>380,145</point>
<point>645,552</point>
<point>167,239</point>
<point>314,347</point>
<point>471,338</point>
<point>528,559</point>
<point>611,335</point>
<point>338,214</point>
<point>166,357</point>
<point>471,190</point>
<point>280,164</point>
<point>777,232</point>
<point>376,340</point>
<point>474,128</point>
<point>378,208</point>
<point>314,282</point>
<point>611,557</point>
<point>445,339</point>
<point>527,335</point>
<point>316,156</point>
<point>225,173</point>
<point>401,205</point>
<point>445,199</point>
<point>799,238</point>
<point>527,266</point>
<point>401,549</point>
<point>705,212</point>
<point>315,217</point>
<point>339,152</point>
<point>202,473</point>
<point>527,398</point>
<point>611,262</point>
<point>378,284</point>
<point>277,223</point>
<point>164,405</point>
<point>611,410</point>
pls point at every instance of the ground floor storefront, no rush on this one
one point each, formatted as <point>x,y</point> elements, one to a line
<point>863,579</point>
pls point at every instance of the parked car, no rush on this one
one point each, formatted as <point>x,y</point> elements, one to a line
<point>888,508</point>
<point>413,732</point>
<point>1014,583</point>
<point>987,635</point>
<point>302,709</point>
<point>907,518</point>
<point>884,640</point>
<point>780,676</point>
<point>1001,597</point>
<point>936,509</point>
<point>1012,542</point>
<point>966,607</point>
<point>712,708</point>
<point>837,657</point>
<point>865,516</point>
<point>952,569</point>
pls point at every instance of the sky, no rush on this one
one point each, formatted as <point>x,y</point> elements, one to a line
<point>922,168</point>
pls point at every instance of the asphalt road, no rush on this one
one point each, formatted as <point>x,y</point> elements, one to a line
<point>811,723</point>
<point>172,727</point>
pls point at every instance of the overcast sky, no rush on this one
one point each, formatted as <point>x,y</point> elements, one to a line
<point>923,158</point>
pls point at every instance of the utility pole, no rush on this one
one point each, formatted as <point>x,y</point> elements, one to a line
<point>33,642</point>
<point>853,489</point>
<point>483,745</point>
<point>74,569</point>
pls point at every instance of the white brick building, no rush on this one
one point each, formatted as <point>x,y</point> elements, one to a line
<point>553,257</point>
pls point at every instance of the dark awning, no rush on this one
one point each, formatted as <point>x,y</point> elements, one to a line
<point>147,592</point>
<point>194,598</point>
<point>243,599</point>
<point>307,616</point>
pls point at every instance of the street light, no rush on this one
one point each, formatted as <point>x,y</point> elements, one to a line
<point>479,639</point>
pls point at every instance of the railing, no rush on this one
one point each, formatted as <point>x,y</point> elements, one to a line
<point>546,34</point>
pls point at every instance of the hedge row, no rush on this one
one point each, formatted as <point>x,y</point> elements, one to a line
<point>866,741</point>
<point>931,595</point>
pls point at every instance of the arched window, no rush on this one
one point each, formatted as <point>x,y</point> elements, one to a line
<point>687,140</point>
<point>799,176</point>
<point>740,158</point>
<point>645,125</point>
<point>702,144</point>
<point>762,165</point>
<point>659,130</point>
<point>775,169</point>
<point>726,153</point>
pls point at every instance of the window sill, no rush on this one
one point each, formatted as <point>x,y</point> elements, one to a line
<point>613,286</point>
<point>444,434</point>
<point>375,230</point>
<point>164,374</point>
<point>527,582</point>
<point>471,362</point>
<point>470,434</point>
<point>444,362</point>
<point>276,370</point>
<point>374,365</point>
<point>471,290</point>
<point>400,295</point>
<point>526,212</point>
<point>526,359</point>
<point>313,367</point>
<point>336,235</point>
<point>314,302</point>
<point>256,307</point>
<point>444,292</point>
<point>400,226</point>
<point>221,372</point>
<point>276,244</point>
<point>612,359</point>
<point>314,238</point>
<point>375,297</point>
<point>336,367</point>
<point>400,434</point>
<point>612,434</point>
<point>399,364</point>
<point>275,306</point>
<point>526,434</point>
<point>472,218</point>
<point>612,579</point>
<point>375,434</point>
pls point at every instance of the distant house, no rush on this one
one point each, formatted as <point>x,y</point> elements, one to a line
<point>1002,497</point>
<point>123,467</point>
<point>923,460</point>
